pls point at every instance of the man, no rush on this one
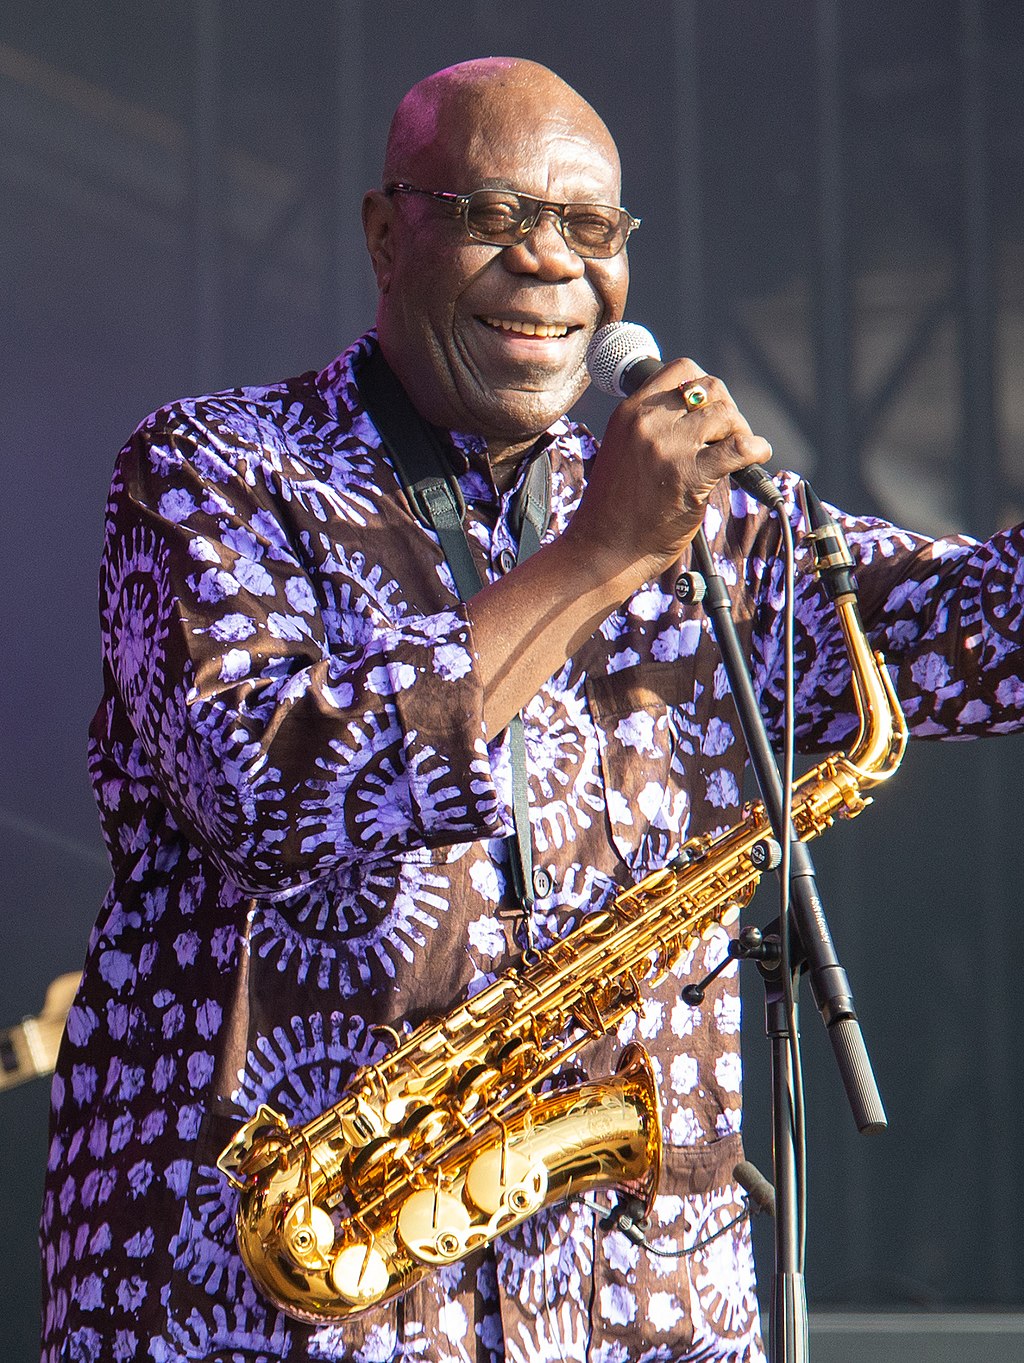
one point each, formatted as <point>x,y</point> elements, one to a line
<point>302,759</point>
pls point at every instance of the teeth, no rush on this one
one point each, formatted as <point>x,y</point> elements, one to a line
<point>547,330</point>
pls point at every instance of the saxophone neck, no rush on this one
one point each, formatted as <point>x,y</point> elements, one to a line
<point>882,734</point>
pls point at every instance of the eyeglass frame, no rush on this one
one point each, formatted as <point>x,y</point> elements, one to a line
<point>462,202</point>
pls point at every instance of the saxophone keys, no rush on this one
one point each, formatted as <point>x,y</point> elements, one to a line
<point>711,923</point>
<point>730,914</point>
<point>514,1056</point>
<point>395,1110</point>
<point>360,1124</point>
<point>360,1275</point>
<point>473,1084</point>
<point>433,1226</point>
<point>308,1234</point>
<point>373,1157</point>
<point>501,1179</point>
<point>424,1123</point>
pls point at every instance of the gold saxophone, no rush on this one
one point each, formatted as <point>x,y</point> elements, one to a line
<point>453,1137</point>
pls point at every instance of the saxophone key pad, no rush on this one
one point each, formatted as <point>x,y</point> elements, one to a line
<point>434,1226</point>
<point>729,915</point>
<point>395,1110</point>
<point>499,1181</point>
<point>359,1275</point>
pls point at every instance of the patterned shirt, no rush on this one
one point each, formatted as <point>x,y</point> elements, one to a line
<point>306,818</point>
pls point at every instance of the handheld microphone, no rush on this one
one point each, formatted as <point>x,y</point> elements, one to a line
<point>622,356</point>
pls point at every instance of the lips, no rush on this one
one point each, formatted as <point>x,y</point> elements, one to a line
<point>546,331</point>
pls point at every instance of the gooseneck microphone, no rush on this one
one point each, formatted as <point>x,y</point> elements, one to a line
<point>622,356</point>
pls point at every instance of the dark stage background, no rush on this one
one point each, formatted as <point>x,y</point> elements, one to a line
<point>832,221</point>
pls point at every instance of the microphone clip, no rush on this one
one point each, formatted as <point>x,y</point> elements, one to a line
<point>628,1217</point>
<point>750,945</point>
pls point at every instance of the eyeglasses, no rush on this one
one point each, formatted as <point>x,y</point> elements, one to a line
<point>504,217</point>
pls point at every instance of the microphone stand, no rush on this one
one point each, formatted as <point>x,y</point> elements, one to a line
<point>814,951</point>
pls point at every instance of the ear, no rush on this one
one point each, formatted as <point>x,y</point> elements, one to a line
<point>378,217</point>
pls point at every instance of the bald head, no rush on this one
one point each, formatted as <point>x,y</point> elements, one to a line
<point>463,101</point>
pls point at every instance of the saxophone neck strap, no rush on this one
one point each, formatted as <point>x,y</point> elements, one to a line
<point>420,456</point>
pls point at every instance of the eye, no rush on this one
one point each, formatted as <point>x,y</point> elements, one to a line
<point>491,211</point>
<point>590,223</point>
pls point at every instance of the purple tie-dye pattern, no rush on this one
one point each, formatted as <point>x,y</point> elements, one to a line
<point>304,815</point>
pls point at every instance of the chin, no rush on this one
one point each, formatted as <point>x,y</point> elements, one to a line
<point>523,421</point>
<point>524,412</point>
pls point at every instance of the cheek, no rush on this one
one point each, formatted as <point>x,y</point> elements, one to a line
<point>611,281</point>
<point>421,292</point>
<point>433,292</point>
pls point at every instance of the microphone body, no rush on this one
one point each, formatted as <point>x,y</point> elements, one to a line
<point>622,356</point>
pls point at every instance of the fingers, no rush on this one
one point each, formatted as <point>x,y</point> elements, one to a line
<point>690,416</point>
<point>711,418</point>
<point>718,457</point>
<point>681,375</point>
<point>684,386</point>
<point>665,450</point>
<point>670,376</point>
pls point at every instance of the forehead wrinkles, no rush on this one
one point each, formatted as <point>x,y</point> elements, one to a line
<point>555,158</point>
<point>489,129</point>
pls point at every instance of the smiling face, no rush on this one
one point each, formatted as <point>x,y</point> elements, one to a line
<point>492,340</point>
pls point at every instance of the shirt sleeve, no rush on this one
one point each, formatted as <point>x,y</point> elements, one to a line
<point>947,614</point>
<point>283,752</point>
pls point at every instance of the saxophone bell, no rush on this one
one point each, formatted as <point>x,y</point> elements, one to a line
<point>600,1135</point>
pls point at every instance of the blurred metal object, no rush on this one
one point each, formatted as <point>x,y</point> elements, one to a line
<point>30,1048</point>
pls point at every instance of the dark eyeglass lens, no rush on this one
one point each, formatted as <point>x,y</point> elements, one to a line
<point>499,218</point>
<point>592,226</point>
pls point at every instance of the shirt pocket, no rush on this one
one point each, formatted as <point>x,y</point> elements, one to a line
<point>648,744</point>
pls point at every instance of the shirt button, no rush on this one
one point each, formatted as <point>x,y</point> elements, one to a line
<point>506,560</point>
<point>541,883</point>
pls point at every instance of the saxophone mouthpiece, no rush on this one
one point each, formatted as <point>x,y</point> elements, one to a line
<point>833,561</point>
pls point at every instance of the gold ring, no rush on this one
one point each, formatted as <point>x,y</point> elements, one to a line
<point>694,395</point>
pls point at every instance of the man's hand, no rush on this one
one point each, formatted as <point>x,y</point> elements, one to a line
<point>644,501</point>
<point>658,465</point>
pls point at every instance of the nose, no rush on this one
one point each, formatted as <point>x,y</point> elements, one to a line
<point>543,251</point>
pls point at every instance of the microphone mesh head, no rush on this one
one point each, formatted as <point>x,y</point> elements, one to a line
<point>614,348</point>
